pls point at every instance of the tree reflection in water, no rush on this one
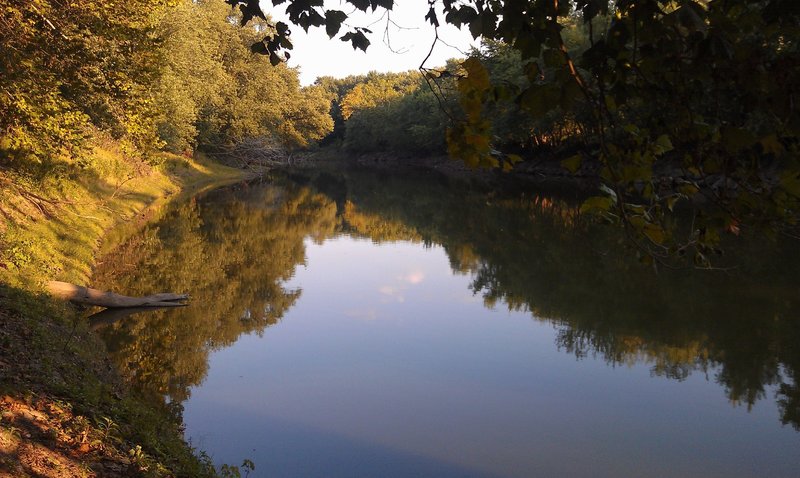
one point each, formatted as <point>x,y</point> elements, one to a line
<point>234,249</point>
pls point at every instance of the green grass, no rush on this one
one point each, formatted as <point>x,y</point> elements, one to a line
<point>52,229</point>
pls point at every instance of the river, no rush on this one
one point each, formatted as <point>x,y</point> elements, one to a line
<point>365,324</point>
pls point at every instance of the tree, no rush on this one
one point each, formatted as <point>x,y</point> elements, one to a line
<point>69,69</point>
<point>215,93</point>
<point>688,101</point>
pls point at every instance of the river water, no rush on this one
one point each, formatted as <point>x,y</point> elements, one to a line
<point>358,324</point>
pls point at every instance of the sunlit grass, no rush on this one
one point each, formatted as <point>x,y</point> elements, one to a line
<point>55,233</point>
<point>53,228</point>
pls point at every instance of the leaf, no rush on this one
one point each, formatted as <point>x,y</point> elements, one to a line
<point>431,17</point>
<point>672,200</point>
<point>477,74</point>
<point>360,41</point>
<point>387,4</point>
<point>357,39</point>
<point>654,232</point>
<point>360,4</point>
<point>333,22</point>
<point>259,47</point>
<point>597,204</point>
<point>274,59</point>
<point>790,182</point>
<point>573,163</point>
<point>540,99</point>
<point>249,10</point>
<point>282,28</point>
<point>570,91</point>
<point>461,16</point>
<point>663,144</point>
<point>284,42</point>
<point>771,145</point>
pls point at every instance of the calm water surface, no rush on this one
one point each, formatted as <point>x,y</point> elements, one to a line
<point>359,325</point>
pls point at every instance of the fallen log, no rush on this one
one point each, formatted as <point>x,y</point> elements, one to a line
<point>89,296</point>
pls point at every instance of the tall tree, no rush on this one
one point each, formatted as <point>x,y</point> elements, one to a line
<point>70,67</point>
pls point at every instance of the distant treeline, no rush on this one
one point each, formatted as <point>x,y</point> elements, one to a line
<point>411,112</point>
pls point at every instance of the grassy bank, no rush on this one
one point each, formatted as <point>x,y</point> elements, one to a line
<point>63,409</point>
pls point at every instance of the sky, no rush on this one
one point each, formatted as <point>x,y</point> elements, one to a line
<point>408,40</point>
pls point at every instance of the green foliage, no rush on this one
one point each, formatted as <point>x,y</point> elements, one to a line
<point>392,112</point>
<point>228,471</point>
<point>696,92</point>
<point>143,75</point>
<point>668,89</point>
<point>68,69</point>
<point>214,92</point>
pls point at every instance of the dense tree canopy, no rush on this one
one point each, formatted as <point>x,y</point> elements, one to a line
<point>214,92</point>
<point>66,68</point>
<point>149,75</point>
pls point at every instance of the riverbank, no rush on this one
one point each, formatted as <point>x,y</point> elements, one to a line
<point>64,411</point>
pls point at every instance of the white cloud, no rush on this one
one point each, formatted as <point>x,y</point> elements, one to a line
<point>414,277</point>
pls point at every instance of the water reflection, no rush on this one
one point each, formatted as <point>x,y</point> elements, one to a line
<point>234,250</point>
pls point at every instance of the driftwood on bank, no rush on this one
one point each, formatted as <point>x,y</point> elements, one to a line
<point>88,296</point>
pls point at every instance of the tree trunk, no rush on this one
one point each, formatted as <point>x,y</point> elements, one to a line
<point>86,295</point>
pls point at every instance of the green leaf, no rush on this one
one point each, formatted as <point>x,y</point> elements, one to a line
<point>477,76</point>
<point>597,204</point>
<point>663,144</point>
<point>654,232</point>
<point>573,163</point>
